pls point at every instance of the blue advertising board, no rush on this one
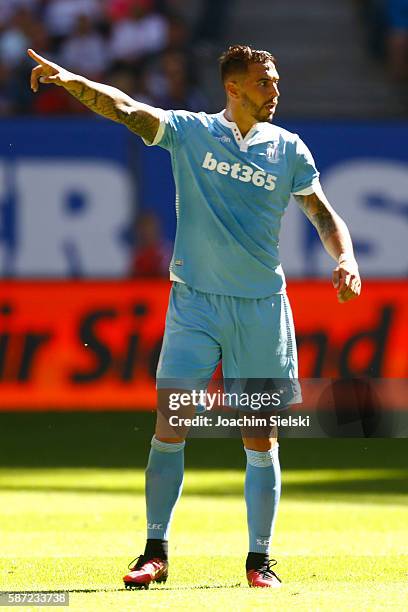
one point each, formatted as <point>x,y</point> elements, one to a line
<point>70,189</point>
<point>66,198</point>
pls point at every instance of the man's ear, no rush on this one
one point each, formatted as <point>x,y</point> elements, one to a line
<point>232,89</point>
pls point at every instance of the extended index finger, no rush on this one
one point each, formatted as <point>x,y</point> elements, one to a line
<point>38,58</point>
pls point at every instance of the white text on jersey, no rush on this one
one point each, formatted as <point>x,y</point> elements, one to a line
<point>240,172</point>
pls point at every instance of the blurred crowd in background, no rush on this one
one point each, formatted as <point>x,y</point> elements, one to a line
<point>152,252</point>
<point>144,47</point>
<point>386,23</point>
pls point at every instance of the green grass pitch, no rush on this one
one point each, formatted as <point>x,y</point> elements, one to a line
<point>72,517</point>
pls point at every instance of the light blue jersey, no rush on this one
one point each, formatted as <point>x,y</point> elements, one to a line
<point>231,196</point>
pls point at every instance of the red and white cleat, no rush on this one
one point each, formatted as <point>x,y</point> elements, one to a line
<point>264,577</point>
<point>144,573</point>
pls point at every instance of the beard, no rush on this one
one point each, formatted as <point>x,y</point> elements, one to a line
<point>260,113</point>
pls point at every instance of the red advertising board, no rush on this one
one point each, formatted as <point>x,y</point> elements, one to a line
<point>94,345</point>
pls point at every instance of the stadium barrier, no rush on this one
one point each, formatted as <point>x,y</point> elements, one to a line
<point>95,345</point>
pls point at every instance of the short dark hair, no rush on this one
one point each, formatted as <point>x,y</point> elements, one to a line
<point>237,58</point>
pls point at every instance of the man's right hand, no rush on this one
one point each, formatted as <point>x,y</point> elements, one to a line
<point>110,102</point>
<point>47,72</point>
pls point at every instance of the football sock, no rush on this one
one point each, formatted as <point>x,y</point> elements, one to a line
<point>156,549</point>
<point>164,482</point>
<point>262,493</point>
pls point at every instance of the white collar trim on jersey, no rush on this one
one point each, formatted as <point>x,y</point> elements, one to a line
<point>258,133</point>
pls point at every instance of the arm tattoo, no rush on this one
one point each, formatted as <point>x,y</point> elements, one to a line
<point>321,215</point>
<point>144,124</point>
<point>93,99</point>
<point>113,104</point>
<point>332,230</point>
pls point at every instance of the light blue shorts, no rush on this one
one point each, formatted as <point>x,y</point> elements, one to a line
<point>255,339</point>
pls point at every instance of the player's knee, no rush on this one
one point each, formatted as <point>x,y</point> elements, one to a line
<point>175,440</point>
<point>259,444</point>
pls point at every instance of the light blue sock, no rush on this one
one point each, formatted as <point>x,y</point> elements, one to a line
<point>164,482</point>
<point>262,494</point>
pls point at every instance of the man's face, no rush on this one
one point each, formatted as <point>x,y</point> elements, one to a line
<point>259,92</point>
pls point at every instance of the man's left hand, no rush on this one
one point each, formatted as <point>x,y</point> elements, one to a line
<point>346,279</point>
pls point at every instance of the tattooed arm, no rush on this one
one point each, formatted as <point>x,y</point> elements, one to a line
<point>107,101</point>
<point>336,240</point>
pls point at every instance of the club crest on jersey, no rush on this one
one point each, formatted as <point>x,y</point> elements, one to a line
<point>272,152</point>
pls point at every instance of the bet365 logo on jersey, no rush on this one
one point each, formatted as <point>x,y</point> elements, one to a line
<point>240,172</point>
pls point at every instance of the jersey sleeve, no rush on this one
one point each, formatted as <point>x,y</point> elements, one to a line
<point>306,176</point>
<point>173,129</point>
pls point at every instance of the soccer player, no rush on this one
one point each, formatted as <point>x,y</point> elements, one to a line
<point>234,173</point>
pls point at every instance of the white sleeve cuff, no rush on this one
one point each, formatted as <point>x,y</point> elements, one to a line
<point>160,131</point>
<point>308,190</point>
